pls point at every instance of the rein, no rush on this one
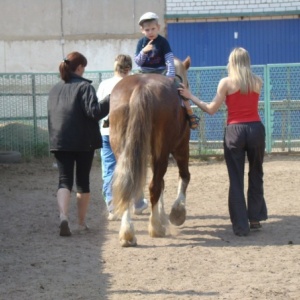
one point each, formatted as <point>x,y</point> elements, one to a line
<point>179,77</point>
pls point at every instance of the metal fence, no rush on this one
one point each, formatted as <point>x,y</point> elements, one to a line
<point>23,109</point>
<point>279,108</point>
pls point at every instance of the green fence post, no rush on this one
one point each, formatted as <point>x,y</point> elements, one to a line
<point>35,141</point>
<point>289,132</point>
<point>267,100</point>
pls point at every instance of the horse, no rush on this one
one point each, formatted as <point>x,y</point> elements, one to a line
<point>148,123</point>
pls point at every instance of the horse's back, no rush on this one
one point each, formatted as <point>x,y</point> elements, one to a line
<point>160,87</point>
<point>163,107</point>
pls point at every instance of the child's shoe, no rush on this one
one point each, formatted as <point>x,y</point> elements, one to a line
<point>193,121</point>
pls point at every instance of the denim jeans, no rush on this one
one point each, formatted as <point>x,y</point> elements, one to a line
<point>108,162</point>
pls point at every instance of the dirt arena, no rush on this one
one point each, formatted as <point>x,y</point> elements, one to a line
<point>202,259</point>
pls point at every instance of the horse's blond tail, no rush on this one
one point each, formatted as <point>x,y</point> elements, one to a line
<point>131,170</point>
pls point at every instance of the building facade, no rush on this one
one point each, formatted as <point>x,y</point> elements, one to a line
<point>35,35</point>
<point>208,30</point>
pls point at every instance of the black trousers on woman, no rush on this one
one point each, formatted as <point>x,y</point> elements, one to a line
<point>241,140</point>
<point>67,162</point>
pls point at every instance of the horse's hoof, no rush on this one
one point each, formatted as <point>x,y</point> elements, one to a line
<point>178,215</point>
<point>125,243</point>
<point>156,234</point>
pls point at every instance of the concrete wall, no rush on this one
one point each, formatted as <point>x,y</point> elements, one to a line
<point>35,35</point>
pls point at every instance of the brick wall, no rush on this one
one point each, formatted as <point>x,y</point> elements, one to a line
<point>231,7</point>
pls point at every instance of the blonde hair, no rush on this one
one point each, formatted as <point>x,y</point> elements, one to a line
<point>123,64</point>
<point>239,71</point>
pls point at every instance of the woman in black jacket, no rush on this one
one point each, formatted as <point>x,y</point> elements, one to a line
<point>73,123</point>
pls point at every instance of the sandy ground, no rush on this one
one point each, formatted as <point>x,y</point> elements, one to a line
<point>202,259</point>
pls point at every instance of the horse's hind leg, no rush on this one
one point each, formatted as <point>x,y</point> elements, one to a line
<point>158,219</point>
<point>126,234</point>
<point>178,211</point>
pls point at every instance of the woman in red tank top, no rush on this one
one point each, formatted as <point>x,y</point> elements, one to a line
<point>244,136</point>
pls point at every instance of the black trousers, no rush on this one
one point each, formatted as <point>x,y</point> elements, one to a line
<point>241,140</point>
<point>66,162</point>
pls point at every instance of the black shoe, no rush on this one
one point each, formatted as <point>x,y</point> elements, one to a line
<point>255,225</point>
<point>241,233</point>
<point>64,228</point>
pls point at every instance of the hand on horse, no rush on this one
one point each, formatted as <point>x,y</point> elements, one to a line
<point>184,91</point>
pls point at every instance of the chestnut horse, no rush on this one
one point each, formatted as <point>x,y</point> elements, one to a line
<point>148,121</point>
